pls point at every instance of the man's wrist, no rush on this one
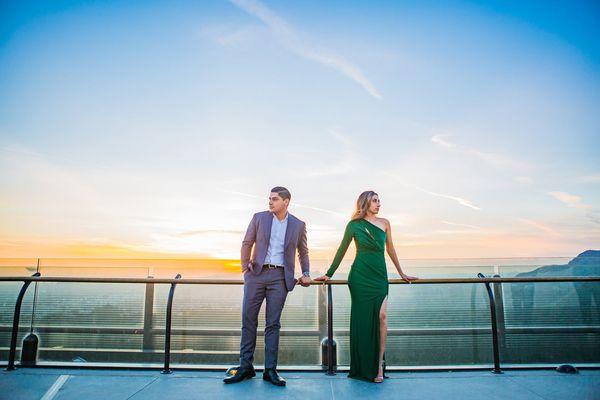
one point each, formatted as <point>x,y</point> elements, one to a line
<point>307,274</point>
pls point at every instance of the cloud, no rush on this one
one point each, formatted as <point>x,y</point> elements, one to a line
<point>237,36</point>
<point>593,217</point>
<point>570,200</point>
<point>296,204</point>
<point>590,178</point>
<point>199,232</point>
<point>42,177</point>
<point>459,200</point>
<point>352,157</point>
<point>494,159</point>
<point>345,164</point>
<point>20,151</point>
<point>290,39</point>
<point>461,225</point>
<point>526,180</point>
<point>439,140</point>
<point>538,225</point>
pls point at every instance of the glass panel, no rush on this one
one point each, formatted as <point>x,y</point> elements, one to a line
<point>93,322</point>
<point>438,310</point>
<point>200,309</point>
<point>8,298</point>
<point>552,322</point>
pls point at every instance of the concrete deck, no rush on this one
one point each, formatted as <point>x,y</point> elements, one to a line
<point>53,383</point>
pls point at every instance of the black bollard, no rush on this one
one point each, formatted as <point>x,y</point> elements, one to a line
<point>324,353</point>
<point>29,350</point>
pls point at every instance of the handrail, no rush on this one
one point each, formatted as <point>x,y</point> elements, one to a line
<point>202,281</point>
<point>330,342</point>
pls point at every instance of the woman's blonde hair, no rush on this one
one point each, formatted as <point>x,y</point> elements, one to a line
<point>362,204</point>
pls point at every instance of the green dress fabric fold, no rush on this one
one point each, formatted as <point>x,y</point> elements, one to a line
<point>368,284</point>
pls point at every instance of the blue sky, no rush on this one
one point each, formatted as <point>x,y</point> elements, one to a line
<point>159,127</point>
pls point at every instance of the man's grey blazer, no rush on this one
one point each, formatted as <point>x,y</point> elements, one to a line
<point>259,235</point>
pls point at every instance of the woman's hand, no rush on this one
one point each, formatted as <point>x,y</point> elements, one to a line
<point>322,278</point>
<point>408,278</point>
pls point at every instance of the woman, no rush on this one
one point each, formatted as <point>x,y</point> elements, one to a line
<point>368,284</point>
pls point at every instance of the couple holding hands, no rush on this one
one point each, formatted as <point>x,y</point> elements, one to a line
<point>269,274</point>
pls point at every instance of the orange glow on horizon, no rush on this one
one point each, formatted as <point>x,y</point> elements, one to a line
<point>483,246</point>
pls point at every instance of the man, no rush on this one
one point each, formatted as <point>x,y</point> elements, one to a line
<point>269,274</point>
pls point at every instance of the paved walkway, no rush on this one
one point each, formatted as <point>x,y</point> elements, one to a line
<point>52,383</point>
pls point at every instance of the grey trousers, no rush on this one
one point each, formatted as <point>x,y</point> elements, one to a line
<point>269,285</point>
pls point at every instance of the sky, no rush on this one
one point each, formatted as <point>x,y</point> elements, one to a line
<point>157,128</point>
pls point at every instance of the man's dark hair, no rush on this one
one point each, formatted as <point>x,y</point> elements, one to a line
<point>282,192</point>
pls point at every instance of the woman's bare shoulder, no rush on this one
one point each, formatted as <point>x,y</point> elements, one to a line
<point>384,221</point>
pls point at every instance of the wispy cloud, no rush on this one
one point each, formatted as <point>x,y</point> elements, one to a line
<point>346,163</point>
<point>526,180</point>
<point>570,199</point>
<point>296,204</point>
<point>238,36</point>
<point>291,40</point>
<point>352,156</point>
<point>459,200</point>
<point>19,150</point>
<point>590,178</point>
<point>497,160</point>
<point>538,225</point>
<point>199,232</point>
<point>439,140</point>
<point>461,225</point>
<point>594,217</point>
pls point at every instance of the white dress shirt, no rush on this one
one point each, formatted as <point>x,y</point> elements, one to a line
<point>277,241</point>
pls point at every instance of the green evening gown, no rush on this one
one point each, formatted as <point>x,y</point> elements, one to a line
<point>368,284</point>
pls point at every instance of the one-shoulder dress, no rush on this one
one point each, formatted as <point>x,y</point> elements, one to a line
<point>368,284</point>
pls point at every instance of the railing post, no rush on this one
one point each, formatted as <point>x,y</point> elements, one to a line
<point>494,326</point>
<point>322,312</point>
<point>331,356</point>
<point>499,302</point>
<point>167,369</point>
<point>148,341</point>
<point>323,322</point>
<point>15,328</point>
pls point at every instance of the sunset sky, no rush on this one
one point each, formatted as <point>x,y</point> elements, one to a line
<point>157,128</point>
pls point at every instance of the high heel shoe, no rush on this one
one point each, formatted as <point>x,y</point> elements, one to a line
<point>379,378</point>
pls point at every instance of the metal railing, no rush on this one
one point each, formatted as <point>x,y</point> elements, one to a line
<point>329,343</point>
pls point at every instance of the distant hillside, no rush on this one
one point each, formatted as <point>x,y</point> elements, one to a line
<point>585,264</point>
<point>526,297</point>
